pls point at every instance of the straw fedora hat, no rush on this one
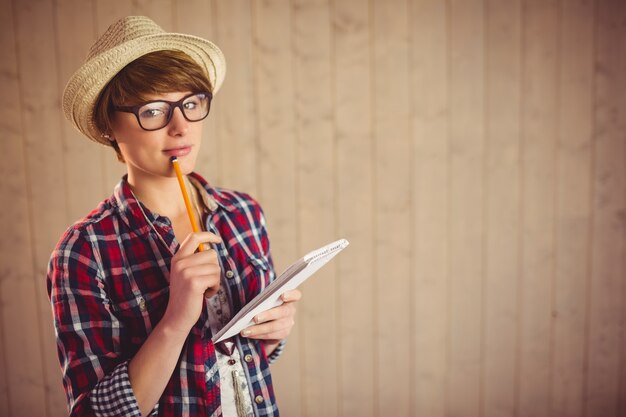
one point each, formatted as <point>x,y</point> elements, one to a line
<point>123,42</point>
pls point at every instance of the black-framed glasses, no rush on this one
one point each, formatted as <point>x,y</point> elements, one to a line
<point>156,114</point>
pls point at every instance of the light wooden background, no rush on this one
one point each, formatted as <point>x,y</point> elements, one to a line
<point>472,151</point>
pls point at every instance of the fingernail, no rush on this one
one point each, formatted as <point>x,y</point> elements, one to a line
<point>285,297</point>
<point>258,319</point>
<point>246,333</point>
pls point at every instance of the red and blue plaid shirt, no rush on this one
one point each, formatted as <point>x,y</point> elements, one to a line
<point>108,286</point>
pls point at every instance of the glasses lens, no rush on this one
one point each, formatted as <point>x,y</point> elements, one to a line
<point>154,115</point>
<point>196,107</point>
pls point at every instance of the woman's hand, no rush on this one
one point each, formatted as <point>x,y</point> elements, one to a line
<point>193,276</point>
<point>276,323</point>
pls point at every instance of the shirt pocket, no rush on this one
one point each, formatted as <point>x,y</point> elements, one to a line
<point>258,277</point>
<point>259,262</point>
<point>139,314</point>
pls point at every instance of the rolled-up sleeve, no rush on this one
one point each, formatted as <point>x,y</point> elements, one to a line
<point>95,374</point>
<point>113,395</point>
<point>278,350</point>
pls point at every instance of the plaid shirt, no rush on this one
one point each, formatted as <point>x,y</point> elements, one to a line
<point>108,286</point>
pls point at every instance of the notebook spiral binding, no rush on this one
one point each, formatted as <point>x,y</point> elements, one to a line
<point>328,250</point>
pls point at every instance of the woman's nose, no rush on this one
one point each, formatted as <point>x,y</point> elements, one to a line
<point>178,125</point>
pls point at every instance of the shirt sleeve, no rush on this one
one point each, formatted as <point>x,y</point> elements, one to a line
<point>272,357</point>
<point>95,374</point>
<point>113,395</point>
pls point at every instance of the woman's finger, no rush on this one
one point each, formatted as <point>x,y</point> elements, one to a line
<point>270,330</point>
<point>291,296</point>
<point>193,240</point>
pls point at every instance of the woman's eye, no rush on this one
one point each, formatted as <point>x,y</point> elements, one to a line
<point>190,105</point>
<point>151,113</point>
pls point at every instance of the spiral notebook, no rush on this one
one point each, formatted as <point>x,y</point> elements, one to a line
<point>293,276</point>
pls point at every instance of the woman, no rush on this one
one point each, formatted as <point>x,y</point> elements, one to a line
<point>134,302</point>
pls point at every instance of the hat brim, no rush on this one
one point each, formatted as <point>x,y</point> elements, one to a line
<point>84,87</point>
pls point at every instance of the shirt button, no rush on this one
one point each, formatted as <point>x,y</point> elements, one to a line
<point>248,358</point>
<point>230,274</point>
<point>142,305</point>
<point>258,399</point>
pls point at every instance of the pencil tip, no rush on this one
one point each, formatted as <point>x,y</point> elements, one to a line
<point>173,158</point>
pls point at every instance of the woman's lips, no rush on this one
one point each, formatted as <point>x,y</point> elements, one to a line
<point>178,151</point>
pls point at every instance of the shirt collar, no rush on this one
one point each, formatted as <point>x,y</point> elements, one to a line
<point>210,195</point>
<point>139,218</point>
<point>131,210</point>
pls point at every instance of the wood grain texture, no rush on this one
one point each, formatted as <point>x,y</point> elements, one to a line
<point>573,199</point>
<point>106,12</point>
<point>46,188</point>
<point>621,217</point>
<point>82,161</point>
<point>23,387</point>
<point>608,242</point>
<point>237,118</point>
<point>502,206</point>
<point>315,197</point>
<point>393,191</point>
<point>466,211</point>
<point>539,115</point>
<point>430,113</point>
<point>352,88</point>
<point>274,98</point>
<point>8,79</point>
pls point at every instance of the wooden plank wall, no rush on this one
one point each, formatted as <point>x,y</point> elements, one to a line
<point>472,151</point>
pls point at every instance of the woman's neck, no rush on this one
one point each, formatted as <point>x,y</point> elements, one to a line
<point>161,195</point>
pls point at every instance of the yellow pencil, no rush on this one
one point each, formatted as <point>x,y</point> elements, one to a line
<point>190,212</point>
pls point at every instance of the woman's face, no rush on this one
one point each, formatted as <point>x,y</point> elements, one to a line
<point>147,153</point>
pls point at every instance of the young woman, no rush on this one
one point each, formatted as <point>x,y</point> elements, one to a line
<point>135,303</point>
